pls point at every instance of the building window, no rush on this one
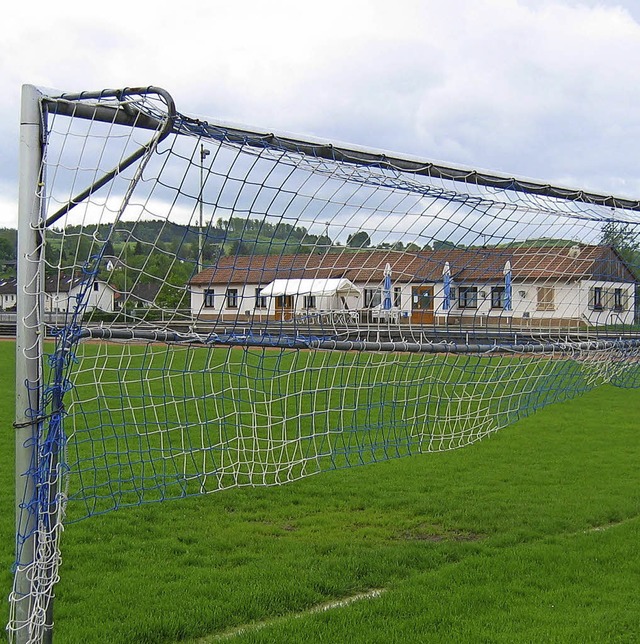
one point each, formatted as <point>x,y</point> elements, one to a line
<point>232,298</point>
<point>497,297</point>
<point>618,300</point>
<point>397,296</point>
<point>261,300</point>
<point>595,299</point>
<point>208,299</point>
<point>309,301</point>
<point>468,297</point>
<point>545,299</point>
<point>372,298</point>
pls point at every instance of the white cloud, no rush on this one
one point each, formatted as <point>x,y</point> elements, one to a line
<point>537,88</point>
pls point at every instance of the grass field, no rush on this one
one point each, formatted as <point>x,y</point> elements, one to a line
<point>528,536</point>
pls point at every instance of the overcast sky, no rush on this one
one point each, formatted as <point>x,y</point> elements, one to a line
<point>542,89</point>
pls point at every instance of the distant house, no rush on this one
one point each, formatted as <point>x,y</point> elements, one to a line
<point>8,294</point>
<point>535,285</point>
<point>62,294</point>
<point>111,262</point>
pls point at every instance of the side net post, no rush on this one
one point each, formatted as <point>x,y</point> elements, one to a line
<point>225,306</point>
<point>33,536</point>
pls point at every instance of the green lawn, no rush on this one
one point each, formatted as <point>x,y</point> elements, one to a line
<point>528,536</point>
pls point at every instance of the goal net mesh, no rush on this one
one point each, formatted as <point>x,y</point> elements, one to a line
<point>229,307</point>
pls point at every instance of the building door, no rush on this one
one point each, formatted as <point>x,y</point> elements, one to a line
<point>422,304</point>
<point>284,308</point>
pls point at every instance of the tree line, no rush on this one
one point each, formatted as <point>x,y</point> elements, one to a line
<point>162,246</point>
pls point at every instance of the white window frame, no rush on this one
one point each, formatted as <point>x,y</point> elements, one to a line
<point>232,298</point>
<point>208,298</point>
<point>467,297</point>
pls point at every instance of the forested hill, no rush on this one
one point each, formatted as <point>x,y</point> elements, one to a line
<point>235,236</point>
<point>225,237</point>
<point>228,237</point>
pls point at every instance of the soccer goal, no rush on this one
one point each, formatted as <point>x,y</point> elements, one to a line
<point>204,306</point>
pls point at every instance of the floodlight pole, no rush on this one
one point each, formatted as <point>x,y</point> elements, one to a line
<point>204,153</point>
<point>29,368</point>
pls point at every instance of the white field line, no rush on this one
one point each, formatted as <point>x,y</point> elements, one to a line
<point>608,526</point>
<point>320,608</point>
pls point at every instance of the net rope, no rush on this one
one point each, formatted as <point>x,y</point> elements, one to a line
<point>238,309</point>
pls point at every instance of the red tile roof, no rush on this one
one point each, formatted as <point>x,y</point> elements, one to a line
<point>466,265</point>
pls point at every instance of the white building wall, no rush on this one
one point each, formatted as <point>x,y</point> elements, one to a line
<point>568,301</point>
<point>101,298</point>
<point>9,300</point>
<point>571,300</point>
<point>608,314</point>
<point>246,302</point>
<point>56,302</point>
<point>484,302</point>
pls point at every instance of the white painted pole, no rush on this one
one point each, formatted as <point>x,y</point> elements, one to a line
<point>203,155</point>
<point>29,345</point>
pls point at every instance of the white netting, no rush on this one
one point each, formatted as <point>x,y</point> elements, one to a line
<point>232,308</point>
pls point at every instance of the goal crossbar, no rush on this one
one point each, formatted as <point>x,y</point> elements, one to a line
<point>80,105</point>
<point>352,154</point>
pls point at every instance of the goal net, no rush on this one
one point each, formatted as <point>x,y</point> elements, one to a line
<point>204,306</point>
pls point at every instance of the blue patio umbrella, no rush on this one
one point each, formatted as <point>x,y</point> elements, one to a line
<point>446,278</point>
<point>386,289</point>
<point>508,294</point>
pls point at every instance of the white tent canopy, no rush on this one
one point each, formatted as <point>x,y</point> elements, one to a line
<point>319,287</point>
